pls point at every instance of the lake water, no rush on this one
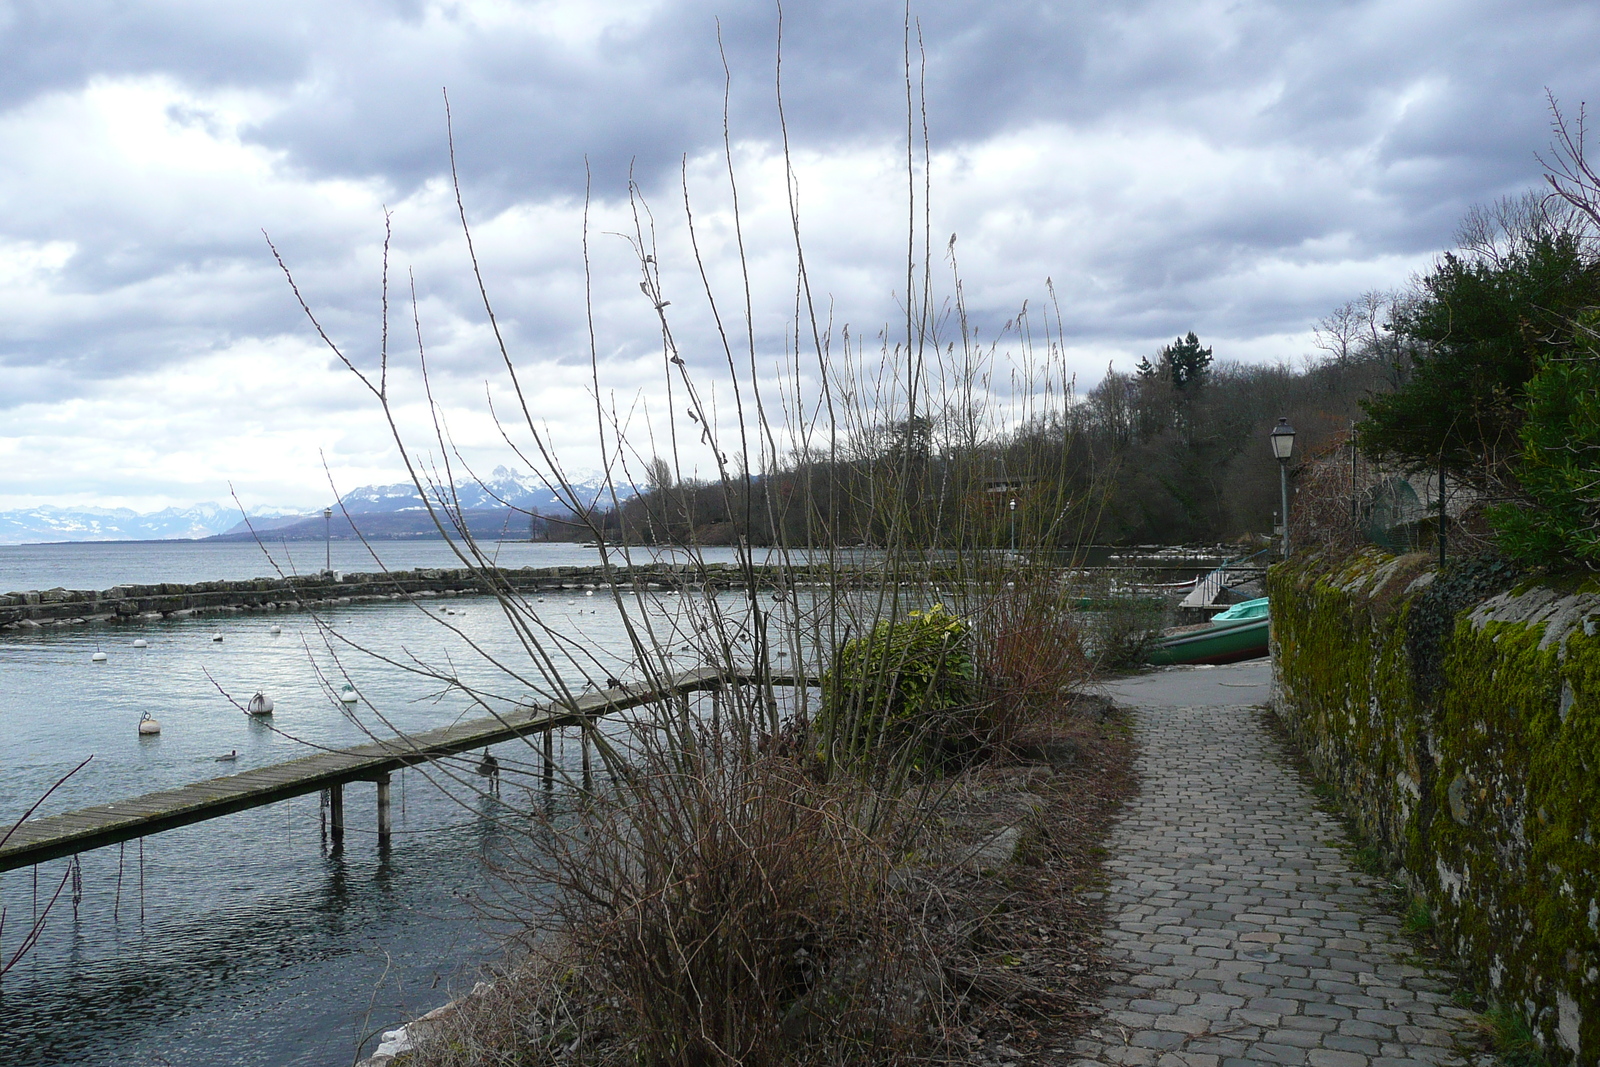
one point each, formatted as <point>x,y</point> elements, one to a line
<point>243,940</point>
<point>102,565</point>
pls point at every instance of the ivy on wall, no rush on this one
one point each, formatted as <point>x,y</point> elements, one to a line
<point>1466,743</point>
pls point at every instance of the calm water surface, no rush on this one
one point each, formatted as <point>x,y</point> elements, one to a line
<point>102,565</point>
<point>243,940</point>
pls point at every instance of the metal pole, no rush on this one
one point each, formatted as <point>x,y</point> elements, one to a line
<point>1355,474</point>
<point>327,539</point>
<point>1443,518</point>
<point>1283,486</point>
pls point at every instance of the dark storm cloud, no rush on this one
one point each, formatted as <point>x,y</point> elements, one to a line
<point>362,79</point>
<point>1441,101</point>
<point>46,45</point>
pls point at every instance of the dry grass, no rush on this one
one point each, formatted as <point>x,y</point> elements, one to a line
<point>780,931</point>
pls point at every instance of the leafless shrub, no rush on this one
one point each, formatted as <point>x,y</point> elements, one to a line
<point>1029,651</point>
<point>1325,511</point>
<point>716,898</point>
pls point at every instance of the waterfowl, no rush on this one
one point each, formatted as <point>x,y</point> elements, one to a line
<point>228,757</point>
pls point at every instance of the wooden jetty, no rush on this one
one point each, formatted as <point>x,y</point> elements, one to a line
<point>54,836</point>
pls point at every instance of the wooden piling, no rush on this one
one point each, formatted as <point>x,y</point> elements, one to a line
<point>385,826</point>
<point>336,815</point>
<point>549,759</point>
<point>588,779</point>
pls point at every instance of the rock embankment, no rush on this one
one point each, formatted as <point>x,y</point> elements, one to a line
<point>170,600</point>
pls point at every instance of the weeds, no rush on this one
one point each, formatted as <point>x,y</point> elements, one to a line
<point>1418,918</point>
<point>1512,1038</point>
<point>1368,859</point>
<point>1122,633</point>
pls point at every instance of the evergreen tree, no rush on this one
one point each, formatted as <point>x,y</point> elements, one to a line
<point>1183,363</point>
<point>1480,329</point>
<point>1559,466</point>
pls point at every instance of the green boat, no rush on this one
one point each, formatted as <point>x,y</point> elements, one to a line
<point>1236,634</point>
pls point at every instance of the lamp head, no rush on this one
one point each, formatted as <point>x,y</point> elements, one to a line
<point>1282,441</point>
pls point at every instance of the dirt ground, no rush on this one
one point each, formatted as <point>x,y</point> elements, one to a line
<point>1020,915</point>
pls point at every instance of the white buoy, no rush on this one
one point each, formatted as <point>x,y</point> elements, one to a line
<point>348,694</point>
<point>276,629</point>
<point>140,642</point>
<point>588,592</point>
<point>98,657</point>
<point>260,704</point>
<point>216,637</point>
<point>148,726</point>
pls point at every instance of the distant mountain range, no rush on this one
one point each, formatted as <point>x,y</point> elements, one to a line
<point>25,525</point>
<point>380,511</point>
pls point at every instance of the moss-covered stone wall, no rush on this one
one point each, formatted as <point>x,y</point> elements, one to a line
<point>1464,739</point>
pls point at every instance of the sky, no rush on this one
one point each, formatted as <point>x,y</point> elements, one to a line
<point>1128,172</point>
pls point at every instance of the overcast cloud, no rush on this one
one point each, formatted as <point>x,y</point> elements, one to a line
<point>1233,168</point>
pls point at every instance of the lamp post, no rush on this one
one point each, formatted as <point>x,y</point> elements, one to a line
<point>1282,447</point>
<point>327,539</point>
<point>1013,507</point>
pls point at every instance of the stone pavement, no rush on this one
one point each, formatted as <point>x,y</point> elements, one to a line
<point>1239,933</point>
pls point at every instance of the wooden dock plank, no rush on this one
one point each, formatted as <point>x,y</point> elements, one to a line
<point>53,836</point>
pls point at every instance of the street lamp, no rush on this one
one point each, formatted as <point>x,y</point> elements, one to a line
<point>1013,506</point>
<point>1282,447</point>
<point>327,539</point>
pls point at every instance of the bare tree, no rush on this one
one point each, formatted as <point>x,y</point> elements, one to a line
<point>1567,171</point>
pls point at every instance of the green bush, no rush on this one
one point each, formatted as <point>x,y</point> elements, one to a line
<point>1559,467</point>
<point>905,688</point>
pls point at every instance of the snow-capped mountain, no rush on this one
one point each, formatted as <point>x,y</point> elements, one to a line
<point>47,523</point>
<point>503,487</point>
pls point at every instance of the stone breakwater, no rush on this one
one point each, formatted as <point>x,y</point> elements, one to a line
<point>151,603</point>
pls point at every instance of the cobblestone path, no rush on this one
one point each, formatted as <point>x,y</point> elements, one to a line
<point>1239,932</point>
